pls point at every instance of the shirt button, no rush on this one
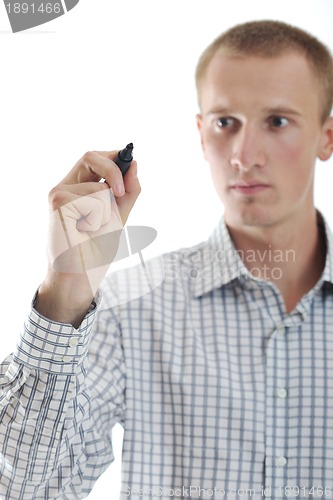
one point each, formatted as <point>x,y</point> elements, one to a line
<point>282,393</point>
<point>281,461</point>
<point>73,342</point>
<point>67,359</point>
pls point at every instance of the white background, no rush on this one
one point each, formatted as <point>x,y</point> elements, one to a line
<point>107,73</point>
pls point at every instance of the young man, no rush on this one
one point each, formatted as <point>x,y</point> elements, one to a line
<point>222,374</point>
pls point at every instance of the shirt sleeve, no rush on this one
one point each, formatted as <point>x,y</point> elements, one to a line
<point>61,392</point>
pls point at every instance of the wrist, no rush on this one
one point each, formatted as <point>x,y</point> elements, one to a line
<point>64,298</point>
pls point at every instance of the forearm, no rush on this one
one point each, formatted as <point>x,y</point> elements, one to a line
<point>46,412</point>
<point>50,449</point>
<point>30,460</point>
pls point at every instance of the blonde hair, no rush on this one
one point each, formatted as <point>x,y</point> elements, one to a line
<point>271,39</point>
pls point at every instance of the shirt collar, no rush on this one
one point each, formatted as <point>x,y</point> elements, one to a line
<point>328,270</point>
<point>217,263</point>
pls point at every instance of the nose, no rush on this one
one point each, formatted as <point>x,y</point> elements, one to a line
<point>248,149</point>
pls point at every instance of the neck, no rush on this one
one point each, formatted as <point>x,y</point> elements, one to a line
<point>292,256</point>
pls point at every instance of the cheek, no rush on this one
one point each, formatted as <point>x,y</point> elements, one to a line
<point>293,158</point>
<point>216,149</point>
<point>295,146</point>
<point>292,168</point>
<point>217,159</point>
<point>221,173</point>
<point>287,152</point>
<point>216,153</point>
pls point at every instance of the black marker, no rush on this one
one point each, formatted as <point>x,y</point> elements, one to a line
<point>124,158</point>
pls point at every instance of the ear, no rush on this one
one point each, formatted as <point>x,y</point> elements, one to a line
<point>325,149</point>
<point>199,120</point>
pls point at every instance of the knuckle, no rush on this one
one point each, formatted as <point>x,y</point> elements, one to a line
<point>55,197</point>
<point>137,189</point>
<point>88,156</point>
<point>111,155</point>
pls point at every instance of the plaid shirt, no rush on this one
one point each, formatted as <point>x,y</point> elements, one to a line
<point>221,393</point>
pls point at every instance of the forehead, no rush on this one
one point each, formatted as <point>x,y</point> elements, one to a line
<point>259,81</point>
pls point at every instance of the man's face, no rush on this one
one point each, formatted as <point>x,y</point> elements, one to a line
<point>261,133</point>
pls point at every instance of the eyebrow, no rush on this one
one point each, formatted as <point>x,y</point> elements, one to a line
<point>282,110</point>
<point>278,110</point>
<point>219,111</point>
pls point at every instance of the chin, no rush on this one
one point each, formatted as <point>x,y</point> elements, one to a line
<point>250,217</point>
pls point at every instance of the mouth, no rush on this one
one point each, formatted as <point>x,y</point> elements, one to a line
<point>249,188</point>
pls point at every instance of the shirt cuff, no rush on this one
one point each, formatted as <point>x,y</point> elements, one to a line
<point>55,347</point>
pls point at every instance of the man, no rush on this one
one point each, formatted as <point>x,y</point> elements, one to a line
<point>222,374</point>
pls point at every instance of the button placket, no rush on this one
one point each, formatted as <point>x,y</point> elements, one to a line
<point>276,403</point>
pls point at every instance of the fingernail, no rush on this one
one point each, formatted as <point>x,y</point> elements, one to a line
<point>120,189</point>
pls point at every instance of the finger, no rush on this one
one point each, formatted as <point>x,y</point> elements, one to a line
<point>92,216</point>
<point>132,191</point>
<point>87,212</point>
<point>77,204</point>
<point>94,166</point>
<point>83,189</point>
<point>64,193</point>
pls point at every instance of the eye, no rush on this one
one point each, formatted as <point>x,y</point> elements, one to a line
<point>278,122</point>
<point>225,122</point>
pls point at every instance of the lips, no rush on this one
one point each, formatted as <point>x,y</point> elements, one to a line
<point>250,187</point>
